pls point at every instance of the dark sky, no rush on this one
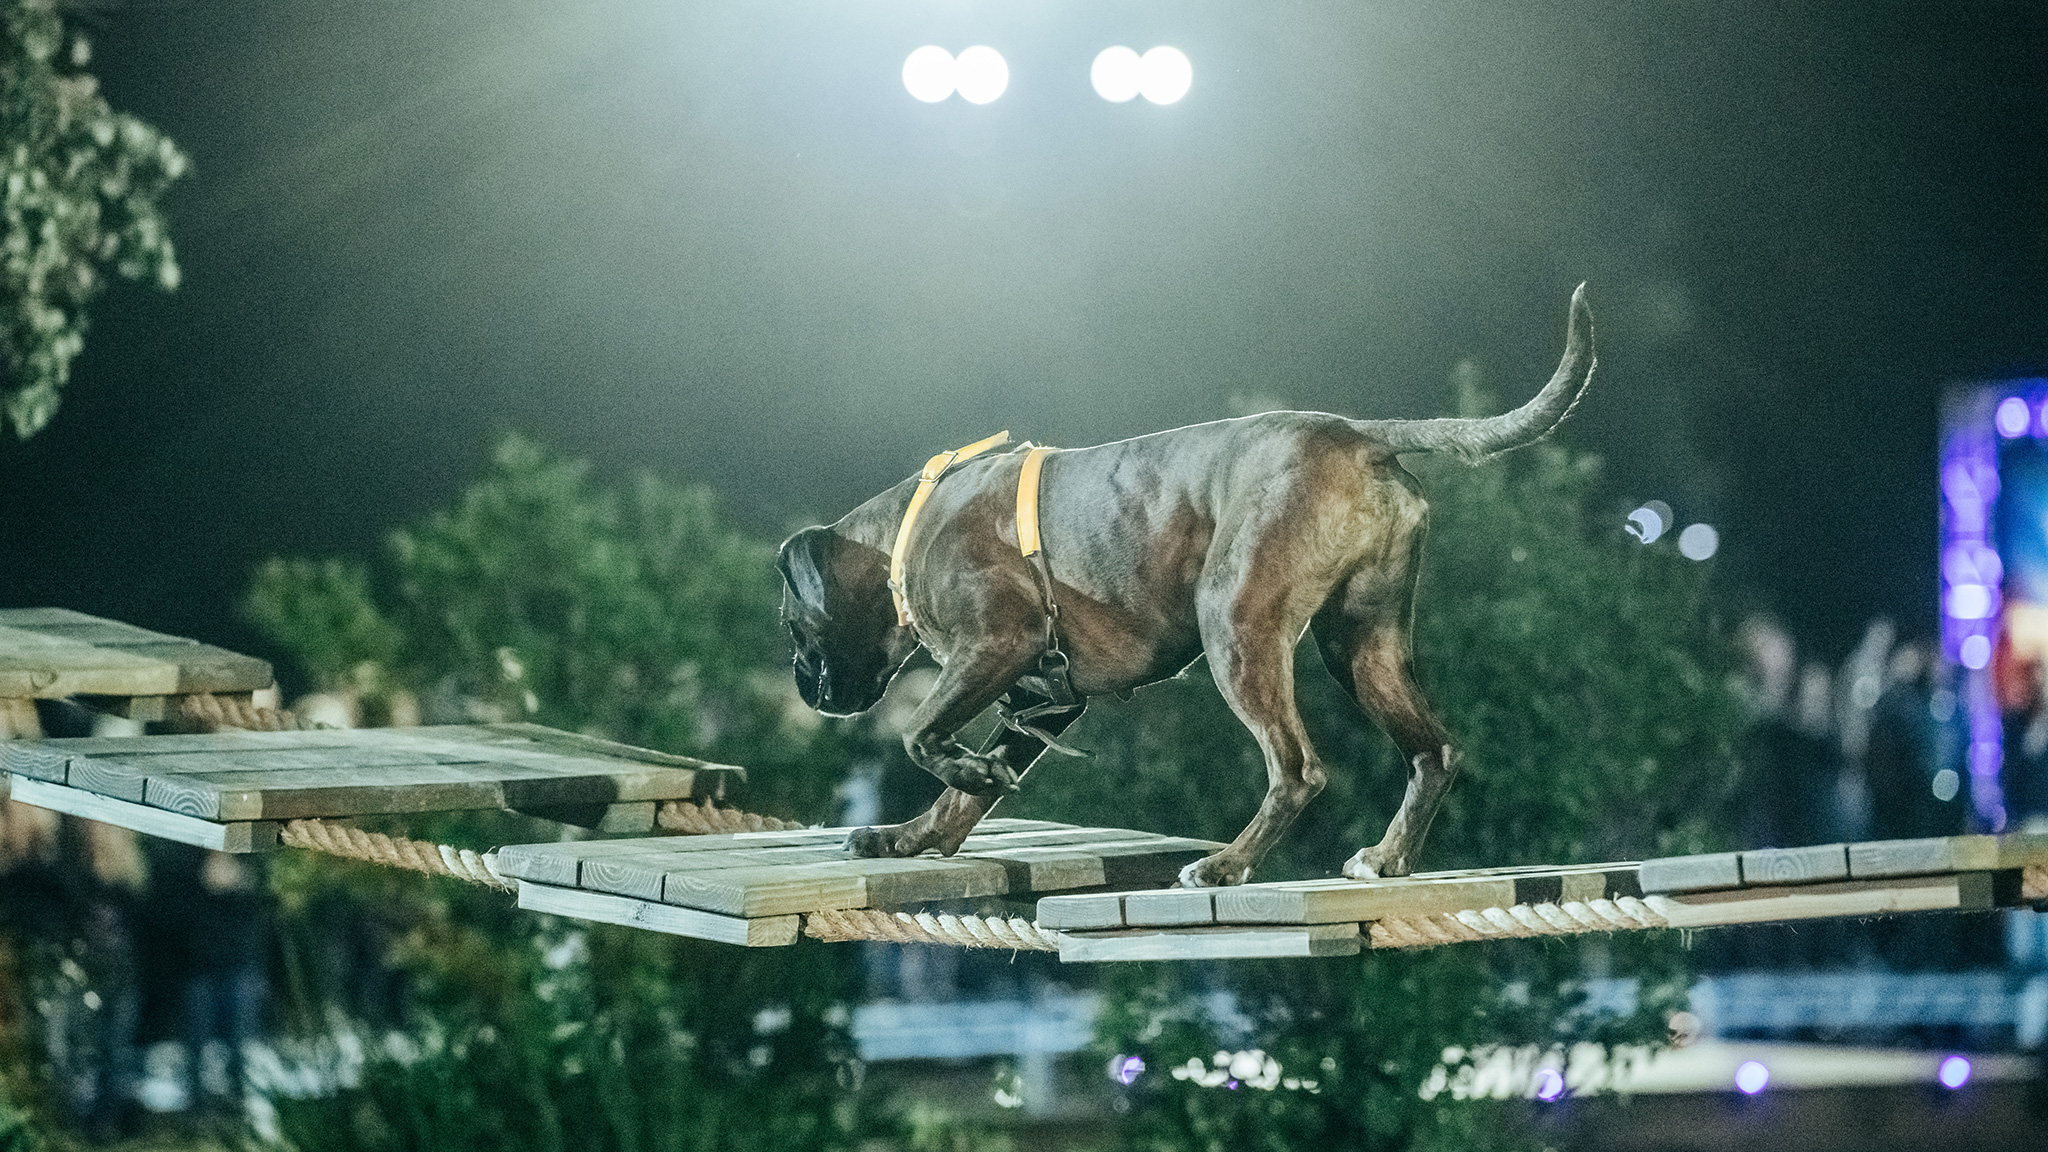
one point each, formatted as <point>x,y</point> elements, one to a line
<point>722,243</point>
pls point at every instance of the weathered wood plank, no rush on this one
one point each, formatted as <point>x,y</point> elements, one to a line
<point>1338,901</point>
<point>1214,943</point>
<point>1810,865</point>
<point>1172,907</point>
<point>38,760</point>
<point>1092,910</point>
<point>325,792</point>
<point>1714,871</point>
<point>223,837</point>
<point>758,932</point>
<point>1966,890</point>
<point>50,653</point>
<point>768,891</point>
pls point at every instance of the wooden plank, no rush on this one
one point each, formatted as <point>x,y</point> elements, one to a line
<point>237,836</point>
<point>1338,901</point>
<point>1172,907</point>
<point>1719,870</point>
<point>34,665</point>
<point>1093,910</point>
<point>38,760</point>
<point>1880,858</point>
<point>325,792</point>
<point>1053,868</point>
<point>1215,943</point>
<point>1811,865</point>
<point>640,874</point>
<point>760,932</point>
<point>1052,837</point>
<point>1966,890</point>
<point>754,892</point>
<point>127,777</point>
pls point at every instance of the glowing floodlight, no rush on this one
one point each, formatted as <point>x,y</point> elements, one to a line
<point>982,74</point>
<point>1117,74</point>
<point>930,73</point>
<point>1164,75</point>
<point>1752,1077</point>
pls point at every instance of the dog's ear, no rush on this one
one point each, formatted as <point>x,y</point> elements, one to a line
<point>804,560</point>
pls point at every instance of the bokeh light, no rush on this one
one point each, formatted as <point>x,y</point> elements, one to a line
<point>1699,542</point>
<point>1549,1084</point>
<point>2011,417</point>
<point>1945,785</point>
<point>1976,652</point>
<point>1752,1077</point>
<point>1116,74</point>
<point>1125,1069</point>
<point>1650,521</point>
<point>1165,75</point>
<point>982,74</point>
<point>1954,1072</point>
<point>930,73</point>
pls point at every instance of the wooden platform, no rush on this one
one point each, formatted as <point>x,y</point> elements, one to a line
<point>50,653</point>
<point>752,887</point>
<point>230,790</point>
<point>1335,917</point>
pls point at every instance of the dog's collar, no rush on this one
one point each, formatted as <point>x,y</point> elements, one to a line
<point>927,480</point>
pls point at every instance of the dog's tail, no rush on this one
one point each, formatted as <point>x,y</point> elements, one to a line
<point>1476,439</point>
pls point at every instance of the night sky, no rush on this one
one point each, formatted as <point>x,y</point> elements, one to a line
<point>720,242</point>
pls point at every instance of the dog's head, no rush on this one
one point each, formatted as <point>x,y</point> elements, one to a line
<point>837,607</point>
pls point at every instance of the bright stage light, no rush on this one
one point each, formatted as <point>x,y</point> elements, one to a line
<point>1117,74</point>
<point>1165,75</point>
<point>983,74</point>
<point>930,73</point>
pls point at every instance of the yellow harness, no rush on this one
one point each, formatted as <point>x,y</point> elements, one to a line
<point>935,469</point>
<point>1046,690</point>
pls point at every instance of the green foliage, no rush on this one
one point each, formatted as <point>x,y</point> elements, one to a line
<point>633,614</point>
<point>637,615</point>
<point>1585,677</point>
<point>79,186</point>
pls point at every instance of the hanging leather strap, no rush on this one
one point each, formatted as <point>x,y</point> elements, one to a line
<point>1049,683</point>
<point>934,469</point>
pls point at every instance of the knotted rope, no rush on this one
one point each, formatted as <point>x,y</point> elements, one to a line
<point>395,851</point>
<point>1521,920</point>
<point>1014,933</point>
<point>685,818</point>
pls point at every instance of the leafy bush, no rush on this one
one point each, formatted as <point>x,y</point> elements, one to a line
<point>79,186</point>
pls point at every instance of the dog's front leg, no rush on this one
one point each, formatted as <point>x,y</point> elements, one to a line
<point>968,684</point>
<point>946,824</point>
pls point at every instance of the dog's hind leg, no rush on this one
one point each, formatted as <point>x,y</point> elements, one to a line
<point>1249,636</point>
<point>948,821</point>
<point>1363,634</point>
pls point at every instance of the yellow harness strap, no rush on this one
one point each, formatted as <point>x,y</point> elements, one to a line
<point>1027,500</point>
<point>926,481</point>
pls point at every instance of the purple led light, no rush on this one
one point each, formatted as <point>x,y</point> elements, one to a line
<point>1954,1073</point>
<point>1125,1069</point>
<point>1752,1077</point>
<point>1549,1084</point>
<point>2012,417</point>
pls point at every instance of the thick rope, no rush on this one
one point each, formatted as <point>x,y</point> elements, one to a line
<point>1013,933</point>
<point>685,818</point>
<point>395,851</point>
<point>1521,920</point>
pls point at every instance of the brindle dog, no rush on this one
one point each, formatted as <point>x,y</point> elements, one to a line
<point>1226,539</point>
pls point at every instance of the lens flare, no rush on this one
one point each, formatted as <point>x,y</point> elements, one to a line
<point>1117,74</point>
<point>983,74</point>
<point>930,73</point>
<point>1165,75</point>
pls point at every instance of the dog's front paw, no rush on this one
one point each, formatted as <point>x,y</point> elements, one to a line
<point>1213,872</point>
<point>868,843</point>
<point>978,775</point>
